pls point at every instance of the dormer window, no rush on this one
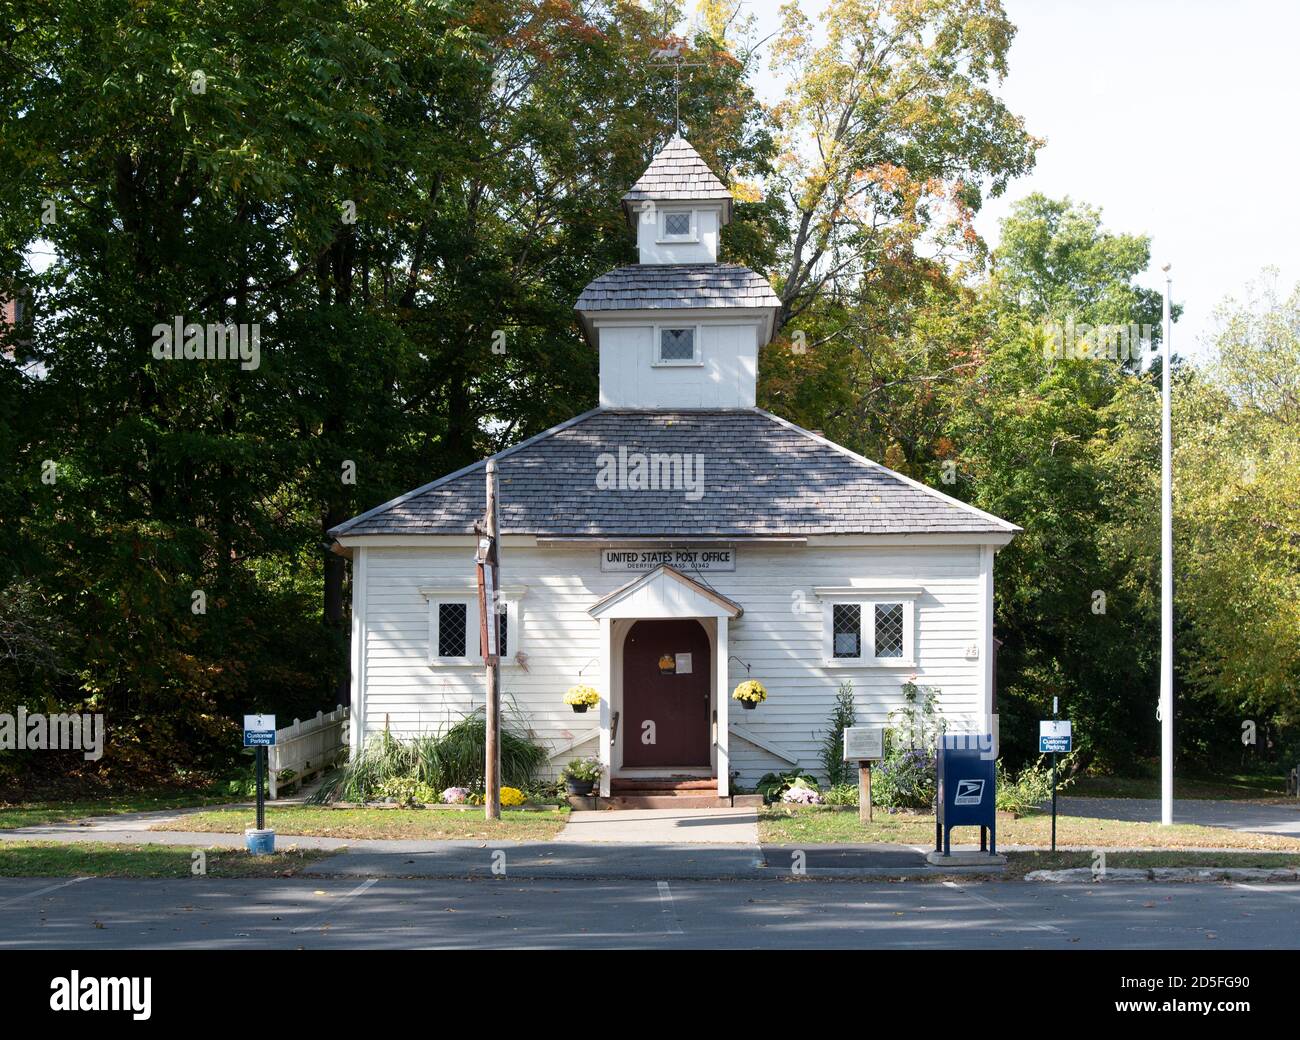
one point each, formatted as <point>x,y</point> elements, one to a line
<point>678,226</point>
<point>677,345</point>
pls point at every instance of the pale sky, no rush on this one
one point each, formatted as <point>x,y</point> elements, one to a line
<point>1178,118</point>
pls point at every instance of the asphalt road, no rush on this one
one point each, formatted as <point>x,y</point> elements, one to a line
<point>393,913</point>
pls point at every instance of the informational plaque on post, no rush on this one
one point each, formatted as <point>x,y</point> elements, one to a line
<point>864,743</point>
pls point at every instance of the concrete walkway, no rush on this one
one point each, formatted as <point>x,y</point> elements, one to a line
<point>1250,817</point>
<point>664,827</point>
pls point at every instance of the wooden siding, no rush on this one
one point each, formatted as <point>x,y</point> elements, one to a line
<point>779,638</point>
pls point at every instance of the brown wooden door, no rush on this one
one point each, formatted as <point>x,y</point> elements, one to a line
<point>677,704</point>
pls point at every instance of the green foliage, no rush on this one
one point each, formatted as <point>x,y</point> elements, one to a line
<point>453,758</point>
<point>379,188</point>
<point>843,794</point>
<point>905,778</point>
<point>584,770</point>
<point>407,791</point>
<point>1032,786</point>
<point>772,785</point>
<point>843,715</point>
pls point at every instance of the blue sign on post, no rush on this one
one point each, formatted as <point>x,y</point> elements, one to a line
<point>967,796</point>
<point>1054,736</point>
<point>259,731</point>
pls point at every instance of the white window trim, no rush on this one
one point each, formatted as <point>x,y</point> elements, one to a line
<point>695,362</point>
<point>663,238</point>
<point>510,596</point>
<point>868,598</point>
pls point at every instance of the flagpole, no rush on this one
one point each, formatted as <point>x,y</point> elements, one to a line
<point>1166,573</point>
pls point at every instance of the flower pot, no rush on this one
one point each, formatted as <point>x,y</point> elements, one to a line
<point>580,788</point>
<point>749,705</point>
<point>578,709</point>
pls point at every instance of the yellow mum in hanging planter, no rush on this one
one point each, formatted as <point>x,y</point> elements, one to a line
<point>580,698</point>
<point>751,693</point>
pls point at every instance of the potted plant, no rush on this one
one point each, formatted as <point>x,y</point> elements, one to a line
<point>580,698</point>
<point>751,693</point>
<point>580,775</point>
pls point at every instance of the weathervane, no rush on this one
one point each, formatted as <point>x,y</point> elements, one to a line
<point>671,57</point>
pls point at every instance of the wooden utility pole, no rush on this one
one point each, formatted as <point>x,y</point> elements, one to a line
<point>489,632</point>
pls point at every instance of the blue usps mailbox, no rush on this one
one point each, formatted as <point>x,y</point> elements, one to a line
<point>966,796</point>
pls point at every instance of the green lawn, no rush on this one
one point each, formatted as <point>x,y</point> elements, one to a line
<point>1241,787</point>
<point>103,859</point>
<point>428,824</point>
<point>782,825</point>
<point>37,812</point>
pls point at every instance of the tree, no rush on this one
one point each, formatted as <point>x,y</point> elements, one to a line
<point>1238,516</point>
<point>890,137</point>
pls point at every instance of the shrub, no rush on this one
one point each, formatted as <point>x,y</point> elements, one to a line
<point>843,715</point>
<point>511,796</point>
<point>843,794</point>
<point>802,792</point>
<point>772,785</point>
<point>454,758</point>
<point>407,790</point>
<point>1031,788</point>
<point>905,779</point>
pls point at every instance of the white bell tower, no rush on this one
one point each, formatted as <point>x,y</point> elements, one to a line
<point>678,330</point>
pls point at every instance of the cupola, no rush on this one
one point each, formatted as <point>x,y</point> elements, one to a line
<point>678,329</point>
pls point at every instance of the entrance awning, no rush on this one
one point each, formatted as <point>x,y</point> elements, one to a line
<point>665,593</point>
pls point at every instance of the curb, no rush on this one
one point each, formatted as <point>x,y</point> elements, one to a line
<point>1128,874</point>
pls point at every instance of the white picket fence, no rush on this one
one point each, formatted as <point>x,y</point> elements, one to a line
<point>307,748</point>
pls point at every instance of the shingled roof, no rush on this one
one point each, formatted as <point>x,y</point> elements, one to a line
<point>642,286</point>
<point>678,174</point>
<point>762,476</point>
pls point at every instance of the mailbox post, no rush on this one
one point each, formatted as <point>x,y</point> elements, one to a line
<point>864,745</point>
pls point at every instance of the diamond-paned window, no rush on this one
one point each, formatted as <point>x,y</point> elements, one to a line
<point>889,630</point>
<point>677,344</point>
<point>453,621</point>
<point>846,629</point>
<point>677,225</point>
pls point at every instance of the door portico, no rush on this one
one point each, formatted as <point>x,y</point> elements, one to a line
<point>667,699</point>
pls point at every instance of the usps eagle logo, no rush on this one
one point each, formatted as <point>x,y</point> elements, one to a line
<point>969,792</point>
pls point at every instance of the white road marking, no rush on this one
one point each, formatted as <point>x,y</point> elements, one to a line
<point>1002,909</point>
<point>365,885</point>
<point>671,925</point>
<point>42,891</point>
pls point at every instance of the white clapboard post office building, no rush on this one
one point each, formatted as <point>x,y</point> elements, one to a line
<point>672,543</point>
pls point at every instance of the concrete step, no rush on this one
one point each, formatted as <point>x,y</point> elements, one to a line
<point>647,784</point>
<point>663,801</point>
